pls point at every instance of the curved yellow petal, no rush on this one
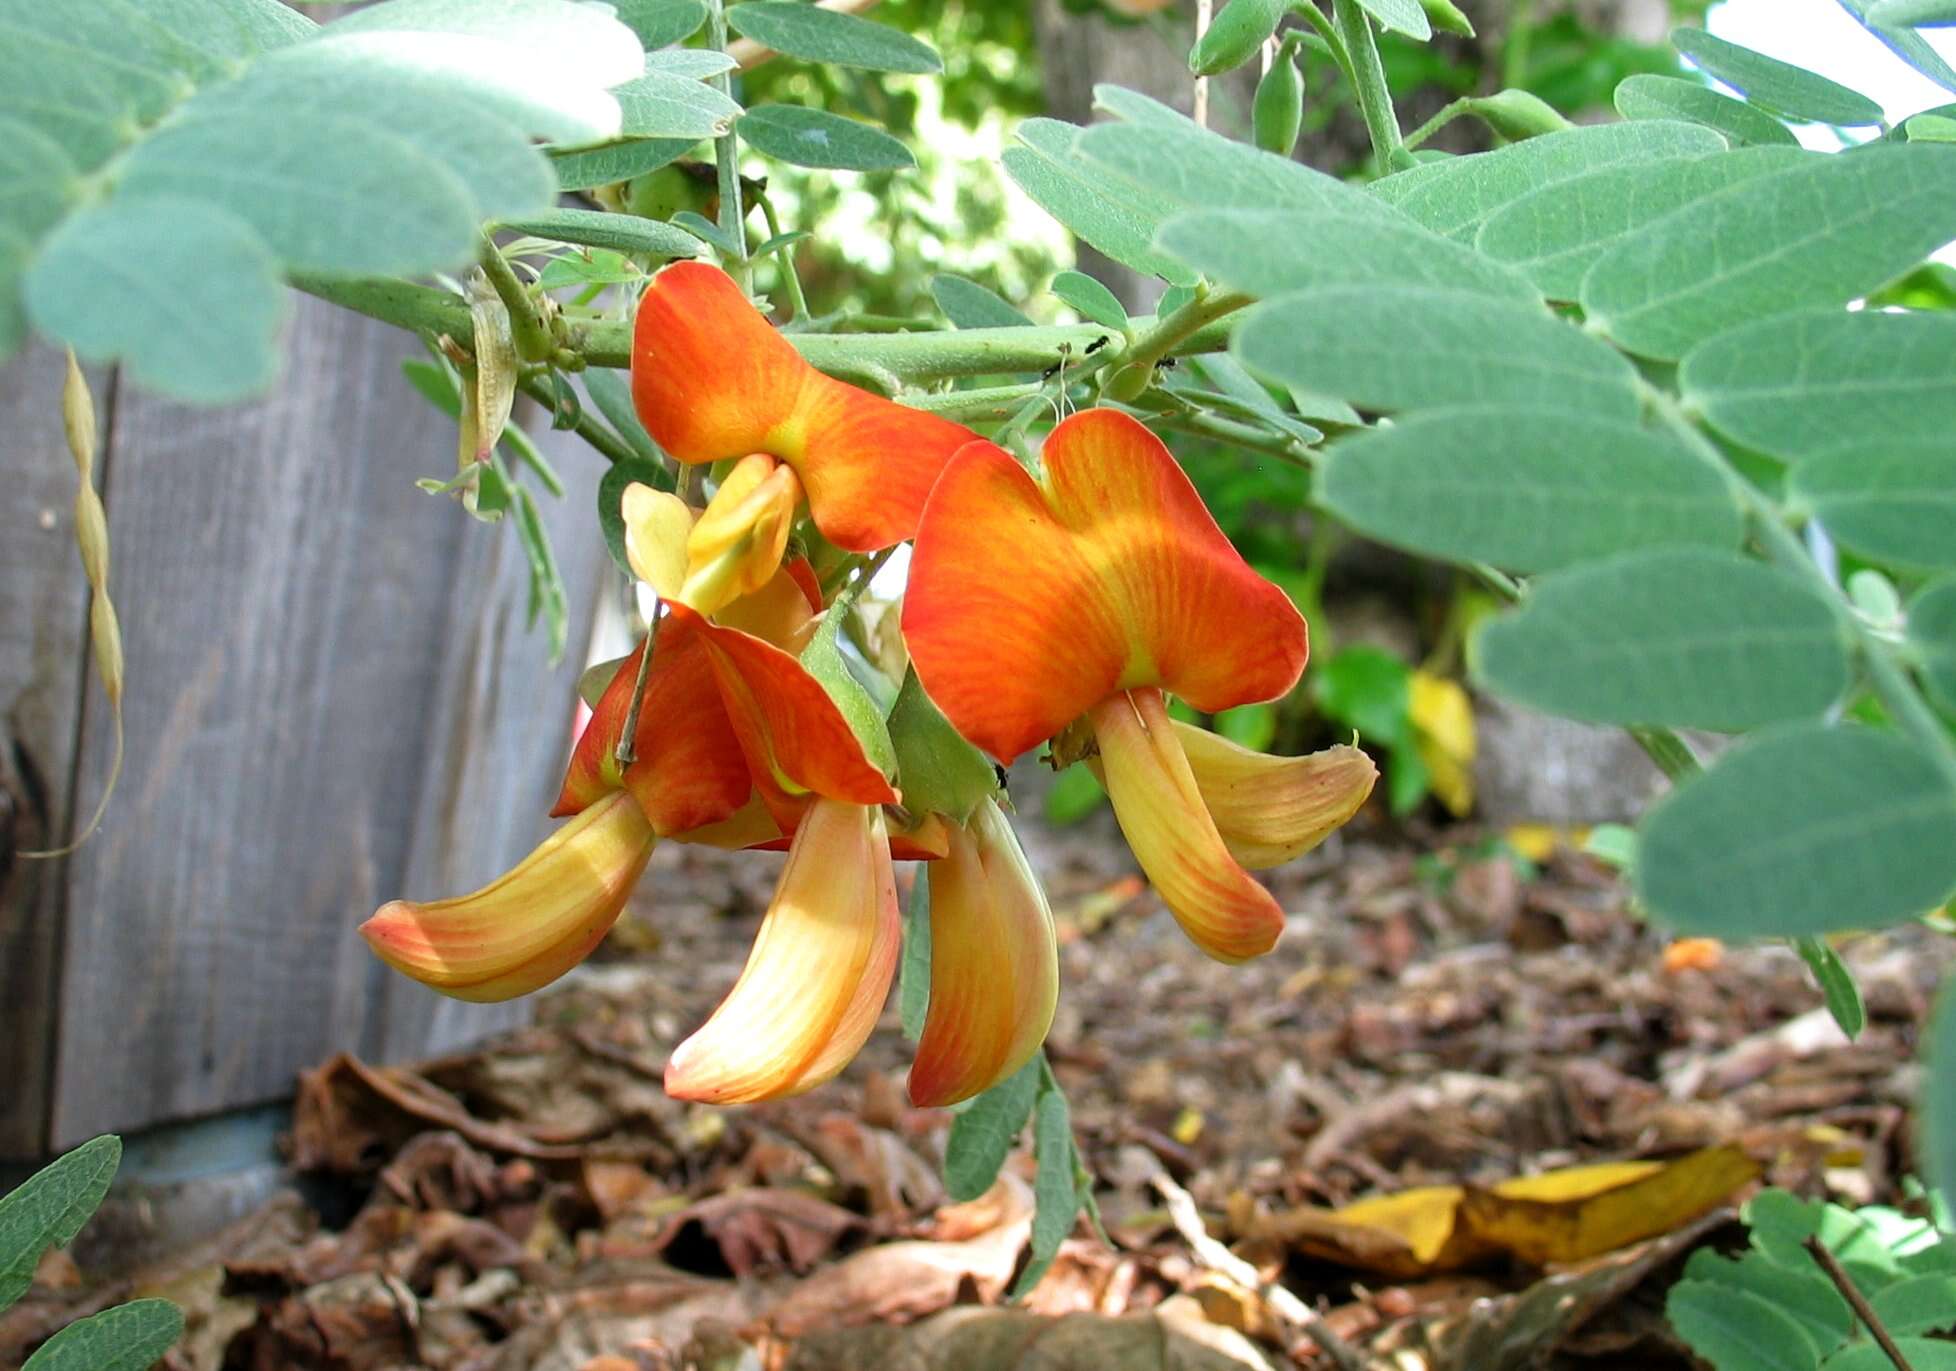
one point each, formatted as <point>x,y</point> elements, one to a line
<point>994,974</point>
<point>1271,809</point>
<point>1161,810</point>
<point>657,525</point>
<point>528,927</point>
<point>736,546</point>
<point>817,976</point>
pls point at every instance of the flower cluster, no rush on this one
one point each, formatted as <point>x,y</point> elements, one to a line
<point>1061,608</point>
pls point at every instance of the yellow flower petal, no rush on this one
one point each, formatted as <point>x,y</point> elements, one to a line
<point>994,966</point>
<point>818,973</point>
<point>657,524</point>
<point>528,927</point>
<point>1161,811</point>
<point>1272,809</point>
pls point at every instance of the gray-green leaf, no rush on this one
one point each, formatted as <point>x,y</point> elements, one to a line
<point>969,305</point>
<point>1556,234</point>
<point>1817,234</point>
<point>1056,1199</point>
<point>1932,633</point>
<point>1811,382</point>
<point>618,232</point>
<point>815,138</point>
<point>1806,828</point>
<point>1681,638</point>
<point>983,1133</point>
<point>1455,196</point>
<point>819,35</point>
<point>1267,252</point>
<point>129,1337</point>
<point>1892,503</point>
<point>1527,489</point>
<point>1390,347</point>
<point>1091,300</point>
<point>49,1208</point>
<point>1650,96</point>
<point>1117,219</point>
<point>1775,85</point>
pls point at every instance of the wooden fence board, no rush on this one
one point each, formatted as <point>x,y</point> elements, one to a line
<point>321,661</point>
<point>43,624</point>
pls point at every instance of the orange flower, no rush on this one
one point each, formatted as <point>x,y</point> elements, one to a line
<point>712,380</point>
<point>994,966</point>
<point>1134,591</point>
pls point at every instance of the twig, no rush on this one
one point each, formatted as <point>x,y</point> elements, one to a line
<point>1856,1301</point>
<point>1212,1254</point>
<point>1204,12</point>
<point>626,751</point>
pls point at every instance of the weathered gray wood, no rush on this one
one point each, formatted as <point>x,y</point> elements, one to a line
<point>330,697</point>
<point>43,626</point>
<point>497,740</point>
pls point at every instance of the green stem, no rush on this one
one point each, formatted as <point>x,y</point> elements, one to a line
<point>1241,435</point>
<point>977,406</point>
<point>526,327</point>
<point>726,154</point>
<point>914,358</point>
<point>1138,362</point>
<point>790,277</point>
<point>1368,81</point>
<point>1329,35</point>
<point>608,444</point>
<point>1886,674</point>
<point>1437,122</point>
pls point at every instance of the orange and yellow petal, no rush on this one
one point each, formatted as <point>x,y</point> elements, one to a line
<point>528,927</point>
<point>818,973</point>
<point>735,547</point>
<point>1137,587</point>
<point>994,976</point>
<point>1272,809</point>
<point>689,768</point>
<point>1162,813</point>
<point>795,738</point>
<point>712,380</point>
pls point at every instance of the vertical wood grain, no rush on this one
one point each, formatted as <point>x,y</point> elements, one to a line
<point>330,698</point>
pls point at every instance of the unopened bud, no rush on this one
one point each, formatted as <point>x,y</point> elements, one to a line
<point>1235,35</point>
<point>1515,114</point>
<point>1277,114</point>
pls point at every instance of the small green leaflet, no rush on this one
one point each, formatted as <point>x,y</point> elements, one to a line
<point>1802,829</point>
<point>1684,638</point>
<point>821,35</point>
<point>1932,633</point>
<point>815,138</point>
<point>49,1208</point>
<point>969,305</point>
<point>1400,16</point>
<point>1775,85</point>
<point>1116,219</point>
<point>1453,197</point>
<point>619,232</point>
<point>1092,301</point>
<point>1526,489</point>
<point>1893,503</point>
<point>1836,982</point>
<point>913,972</point>
<point>599,166</point>
<point>129,1337</point>
<point>1815,381</point>
<point>1394,347</point>
<point>1921,14</point>
<point>547,599</point>
<point>1802,1293</point>
<point>1816,234</point>
<point>823,657</point>
<point>983,1133</point>
<point>1267,252</point>
<point>1650,96</point>
<point>660,106</point>
<point>1906,44</point>
<point>1556,234</point>
<point>1055,1193</point>
<point>661,23</point>
<point>612,394</point>
<point>1736,1330</point>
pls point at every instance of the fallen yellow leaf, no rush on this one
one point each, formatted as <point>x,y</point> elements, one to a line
<point>1443,733</point>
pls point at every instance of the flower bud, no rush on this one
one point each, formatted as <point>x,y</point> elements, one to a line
<point>1515,114</point>
<point>1277,114</point>
<point>1238,31</point>
<point>1445,16</point>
